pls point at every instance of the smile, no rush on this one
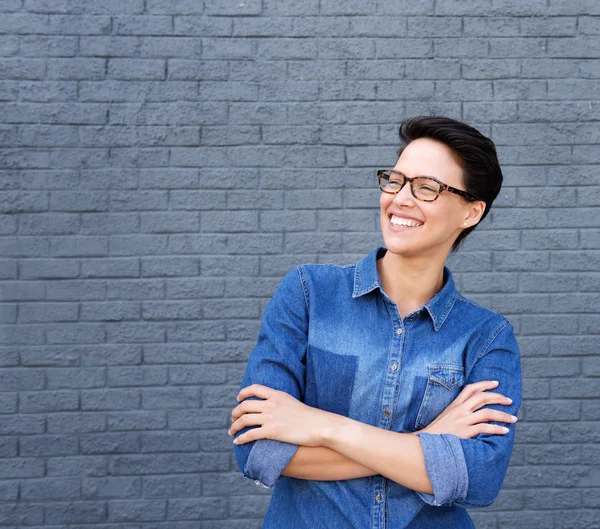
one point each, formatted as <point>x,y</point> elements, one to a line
<point>398,222</point>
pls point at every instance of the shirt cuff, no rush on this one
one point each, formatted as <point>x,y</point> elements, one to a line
<point>446,468</point>
<point>267,459</point>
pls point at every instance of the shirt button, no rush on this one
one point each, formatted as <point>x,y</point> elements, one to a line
<point>378,497</point>
<point>398,331</point>
<point>386,412</point>
<point>394,366</point>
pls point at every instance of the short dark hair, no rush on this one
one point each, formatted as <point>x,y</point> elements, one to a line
<point>472,151</point>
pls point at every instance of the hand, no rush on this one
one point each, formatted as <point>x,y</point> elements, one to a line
<point>461,419</point>
<point>280,417</point>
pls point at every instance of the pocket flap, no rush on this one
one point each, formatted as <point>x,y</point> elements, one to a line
<point>449,376</point>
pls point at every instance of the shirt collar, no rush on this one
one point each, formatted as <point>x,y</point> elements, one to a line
<point>366,279</point>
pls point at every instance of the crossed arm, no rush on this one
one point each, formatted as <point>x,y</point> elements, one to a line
<point>334,447</point>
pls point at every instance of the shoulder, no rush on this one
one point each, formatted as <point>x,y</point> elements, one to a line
<point>479,313</point>
<point>326,283</point>
<point>318,272</point>
<point>490,327</point>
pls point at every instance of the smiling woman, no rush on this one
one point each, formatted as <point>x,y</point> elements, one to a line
<point>367,400</point>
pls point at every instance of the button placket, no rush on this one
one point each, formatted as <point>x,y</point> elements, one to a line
<point>388,401</point>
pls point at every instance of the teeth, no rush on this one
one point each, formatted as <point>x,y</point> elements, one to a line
<point>396,221</point>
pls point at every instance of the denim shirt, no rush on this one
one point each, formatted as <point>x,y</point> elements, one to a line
<point>331,337</point>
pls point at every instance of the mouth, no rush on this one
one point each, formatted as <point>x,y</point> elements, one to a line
<point>402,224</point>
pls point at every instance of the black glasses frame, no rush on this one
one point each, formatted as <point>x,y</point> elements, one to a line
<point>443,187</point>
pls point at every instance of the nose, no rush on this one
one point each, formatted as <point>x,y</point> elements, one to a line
<point>404,196</point>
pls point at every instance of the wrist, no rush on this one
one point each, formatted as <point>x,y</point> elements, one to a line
<point>330,428</point>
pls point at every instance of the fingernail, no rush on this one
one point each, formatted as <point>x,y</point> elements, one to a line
<point>235,441</point>
<point>514,418</point>
<point>508,399</point>
<point>504,429</point>
<point>494,382</point>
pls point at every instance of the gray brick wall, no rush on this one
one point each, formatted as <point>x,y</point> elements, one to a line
<point>165,162</point>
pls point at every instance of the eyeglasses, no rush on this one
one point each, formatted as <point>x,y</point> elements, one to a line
<point>425,188</point>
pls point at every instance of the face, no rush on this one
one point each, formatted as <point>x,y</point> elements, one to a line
<point>438,223</point>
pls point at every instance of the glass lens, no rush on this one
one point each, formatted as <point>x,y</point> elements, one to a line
<point>425,189</point>
<point>391,182</point>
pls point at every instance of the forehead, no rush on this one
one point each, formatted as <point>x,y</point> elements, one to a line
<point>428,157</point>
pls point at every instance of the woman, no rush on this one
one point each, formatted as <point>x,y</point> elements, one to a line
<point>367,400</point>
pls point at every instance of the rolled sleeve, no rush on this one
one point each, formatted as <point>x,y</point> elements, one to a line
<point>446,468</point>
<point>267,460</point>
<point>278,361</point>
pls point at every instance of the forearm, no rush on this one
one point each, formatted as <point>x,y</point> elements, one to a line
<point>324,464</point>
<point>397,456</point>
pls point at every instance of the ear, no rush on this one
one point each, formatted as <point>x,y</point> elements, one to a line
<point>474,213</point>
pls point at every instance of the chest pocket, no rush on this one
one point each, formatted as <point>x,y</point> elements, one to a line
<point>443,386</point>
<point>329,380</point>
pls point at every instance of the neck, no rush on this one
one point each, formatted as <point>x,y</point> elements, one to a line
<point>410,282</point>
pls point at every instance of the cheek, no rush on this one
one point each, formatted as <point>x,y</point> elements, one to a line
<point>445,219</point>
<point>384,203</point>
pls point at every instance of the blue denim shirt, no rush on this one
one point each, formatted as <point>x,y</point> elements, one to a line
<point>331,337</point>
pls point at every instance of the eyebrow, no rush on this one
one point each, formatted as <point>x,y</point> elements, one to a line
<point>418,176</point>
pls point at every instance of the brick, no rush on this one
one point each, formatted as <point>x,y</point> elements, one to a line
<point>194,331</point>
<point>139,420</point>
<point>134,332</point>
<point>110,399</point>
<point>141,510</point>
<point>160,442</point>
<point>79,466</point>
<point>166,398</point>
<point>9,491</point>
<point>550,367</point>
<point>50,489</point>
<point>136,69</point>
<point>75,423</point>
<point>172,486</point>
<point>8,403</point>
<point>109,443</point>
<point>198,419</point>
<point>169,222</point>
<point>197,508</point>
<point>48,312</point>
<point>22,514</point>
<point>197,375</point>
<point>21,468</point>
<point>111,487</point>
<point>137,376</point>
<point>75,512</point>
<point>221,7</point>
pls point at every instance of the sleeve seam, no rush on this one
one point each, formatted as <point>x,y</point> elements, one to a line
<point>505,323</point>
<point>304,286</point>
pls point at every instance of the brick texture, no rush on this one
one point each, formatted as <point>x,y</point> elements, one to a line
<point>164,163</point>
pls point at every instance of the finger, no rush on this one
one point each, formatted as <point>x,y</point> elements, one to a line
<point>488,415</point>
<point>248,406</point>
<point>256,390</point>
<point>486,397</point>
<point>252,435</point>
<point>471,389</point>
<point>490,429</point>
<point>248,419</point>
